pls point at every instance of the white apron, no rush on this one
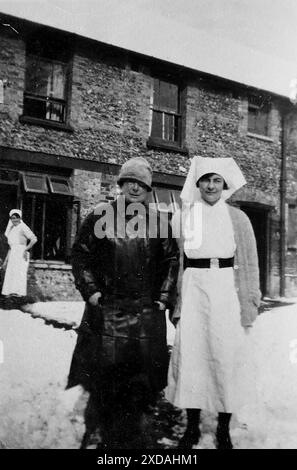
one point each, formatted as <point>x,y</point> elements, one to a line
<point>15,280</point>
<point>210,367</point>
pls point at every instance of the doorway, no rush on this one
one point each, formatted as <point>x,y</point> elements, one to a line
<point>260,220</point>
<point>8,201</point>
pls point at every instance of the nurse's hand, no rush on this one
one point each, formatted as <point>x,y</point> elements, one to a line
<point>26,255</point>
<point>93,300</point>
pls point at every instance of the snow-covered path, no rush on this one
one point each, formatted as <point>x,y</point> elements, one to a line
<point>34,408</point>
<point>36,412</point>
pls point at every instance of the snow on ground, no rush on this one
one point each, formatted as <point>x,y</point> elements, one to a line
<point>271,418</point>
<point>33,403</point>
<point>36,411</point>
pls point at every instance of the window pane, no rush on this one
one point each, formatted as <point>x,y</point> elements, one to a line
<point>168,96</point>
<point>252,120</point>
<point>60,185</point>
<point>55,111</point>
<point>176,198</point>
<point>163,198</point>
<point>35,183</point>
<point>262,123</point>
<point>58,81</point>
<point>34,108</point>
<point>171,127</point>
<point>38,76</point>
<point>36,224</point>
<point>157,125</point>
<point>55,229</point>
<point>258,120</point>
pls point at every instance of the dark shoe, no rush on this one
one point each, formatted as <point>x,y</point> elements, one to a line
<point>189,439</point>
<point>224,440</point>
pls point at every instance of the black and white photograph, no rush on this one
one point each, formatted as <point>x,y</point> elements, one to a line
<point>148,227</point>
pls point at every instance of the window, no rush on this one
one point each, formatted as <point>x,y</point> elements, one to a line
<point>59,185</point>
<point>47,70</point>
<point>166,117</point>
<point>35,183</point>
<point>258,116</point>
<point>48,208</point>
<point>166,199</point>
<point>48,218</point>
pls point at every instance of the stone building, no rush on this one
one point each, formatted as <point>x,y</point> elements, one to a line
<point>72,110</point>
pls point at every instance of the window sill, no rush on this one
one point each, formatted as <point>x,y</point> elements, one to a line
<point>260,137</point>
<point>44,123</point>
<point>164,145</point>
<point>60,265</point>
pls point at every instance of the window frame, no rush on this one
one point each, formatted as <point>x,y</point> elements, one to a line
<point>43,197</point>
<point>62,179</point>
<point>27,189</point>
<point>263,107</point>
<point>67,62</point>
<point>161,142</point>
<point>172,196</point>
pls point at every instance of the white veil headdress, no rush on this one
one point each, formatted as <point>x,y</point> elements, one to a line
<point>225,167</point>
<point>10,224</point>
<point>191,196</point>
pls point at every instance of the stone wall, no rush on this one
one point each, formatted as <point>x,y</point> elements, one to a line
<point>110,117</point>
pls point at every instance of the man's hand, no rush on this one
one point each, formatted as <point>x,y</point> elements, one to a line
<point>93,300</point>
<point>161,305</point>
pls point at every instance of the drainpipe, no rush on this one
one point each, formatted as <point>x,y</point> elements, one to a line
<point>283,187</point>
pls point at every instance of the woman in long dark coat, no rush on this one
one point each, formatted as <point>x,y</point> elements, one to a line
<point>121,353</point>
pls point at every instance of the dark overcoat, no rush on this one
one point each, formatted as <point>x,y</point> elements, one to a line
<point>124,337</point>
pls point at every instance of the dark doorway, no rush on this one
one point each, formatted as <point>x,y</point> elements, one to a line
<point>259,218</point>
<point>8,200</point>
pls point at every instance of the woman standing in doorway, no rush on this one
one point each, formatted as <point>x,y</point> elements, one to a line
<point>218,302</point>
<point>18,235</point>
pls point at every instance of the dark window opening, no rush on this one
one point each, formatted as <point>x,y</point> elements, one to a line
<point>166,117</point>
<point>47,66</point>
<point>258,116</point>
<point>48,209</point>
<point>47,217</point>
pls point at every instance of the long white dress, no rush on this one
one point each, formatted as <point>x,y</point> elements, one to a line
<point>15,280</point>
<point>209,368</point>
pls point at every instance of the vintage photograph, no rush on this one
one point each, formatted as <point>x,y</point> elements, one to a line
<point>148,225</point>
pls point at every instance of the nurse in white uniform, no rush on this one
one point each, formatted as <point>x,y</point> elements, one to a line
<point>20,240</point>
<point>218,299</point>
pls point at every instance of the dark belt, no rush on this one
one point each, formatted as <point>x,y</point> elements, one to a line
<point>208,262</point>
